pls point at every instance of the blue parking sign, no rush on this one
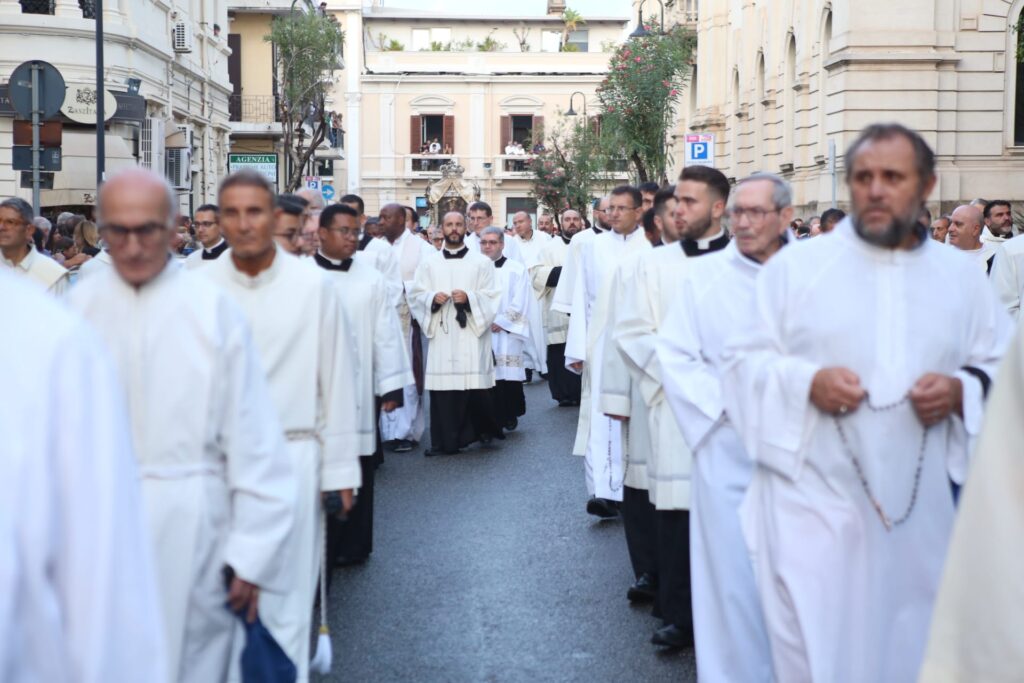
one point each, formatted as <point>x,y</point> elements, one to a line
<point>700,151</point>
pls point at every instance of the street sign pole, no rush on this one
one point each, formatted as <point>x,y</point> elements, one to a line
<point>101,142</point>
<point>35,138</point>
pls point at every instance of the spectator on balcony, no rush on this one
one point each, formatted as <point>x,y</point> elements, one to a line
<point>448,150</point>
<point>510,148</point>
<point>435,146</point>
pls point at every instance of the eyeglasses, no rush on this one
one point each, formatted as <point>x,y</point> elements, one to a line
<point>620,209</point>
<point>205,224</point>
<point>118,235</point>
<point>754,214</point>
<point>344,232</point>
<point>290,235</point>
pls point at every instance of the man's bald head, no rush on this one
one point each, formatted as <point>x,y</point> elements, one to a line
<point>523,225</point>
<point>315,199</point>
<point>144,184</point>
<point>392,221</point>
<point>453,226</point>
<point>965,227</point>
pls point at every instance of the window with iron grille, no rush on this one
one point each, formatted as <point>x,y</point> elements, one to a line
<point>37,6</point>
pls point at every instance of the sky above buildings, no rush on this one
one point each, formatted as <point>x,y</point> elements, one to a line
<point>616,8</point>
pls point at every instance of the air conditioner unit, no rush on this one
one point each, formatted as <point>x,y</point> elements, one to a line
<point>151,144</point>
<point>181,37</point>
<point>187,130</point>
<point>179,168</point>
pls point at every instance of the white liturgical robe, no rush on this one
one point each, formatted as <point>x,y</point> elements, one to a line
<point>382,257</point>
<point>382,363</point>
<point>407,422</point>
<point>598,438</point>
<point>1008,274</point>
<point>536,348</point>
<point>293,313</point>
<point>846,598</point>
<point>709,305</point>
<point>556,323</point>
<point>983,256</point>
<point>78,593</point>
<point>216,481</point>
<point>42,270</point>
<point>203,256</point>
<point>511,279</point>
<point>460,358</point>
<point>97,264</point>
<point>563,297</point>
<point>976,628</point>
<point>511,251</point>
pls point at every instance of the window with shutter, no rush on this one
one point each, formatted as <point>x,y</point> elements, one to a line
<point>506,132</point>
<point>448,135</point>
<point>415,135</point>
<point>538,132</point>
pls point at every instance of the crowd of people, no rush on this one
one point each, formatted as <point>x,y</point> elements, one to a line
<point>775,409</point>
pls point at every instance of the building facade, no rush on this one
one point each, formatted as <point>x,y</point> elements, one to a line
<point>469,85</point>
<point>167,94</point>
<point>781,82</point>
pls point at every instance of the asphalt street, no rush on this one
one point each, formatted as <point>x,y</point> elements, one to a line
<point>486,568</point>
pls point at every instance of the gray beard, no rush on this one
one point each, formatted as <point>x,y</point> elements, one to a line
<point>898,230</point>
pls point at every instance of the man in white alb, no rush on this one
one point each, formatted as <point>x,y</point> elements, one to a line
<point>545,274</point>
<point>562,299</point>
<point>305,351</point>
<point>403,427</point>
<point>1007,274</point>
<point>216,482</point>
<point>480,216</point>
<point>207,224</point>
<point>530,243</point>
<point>455,298</point>
<point>18,253</point>
<point>598,437</point>
<point>78,591</point>
<point>382,368</point>
<point>857,405</point>
<point>378,252</point>
<point>710,305</point>
<point>965,235</point>
<point>510,331</point>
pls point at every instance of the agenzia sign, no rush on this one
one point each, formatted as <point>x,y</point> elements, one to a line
<point>700,149</point>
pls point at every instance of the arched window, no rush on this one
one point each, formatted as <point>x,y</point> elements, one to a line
<point>789,150</point>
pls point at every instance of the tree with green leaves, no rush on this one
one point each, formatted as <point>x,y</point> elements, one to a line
<point>570,167</point>
<point>571,20</point>
<point>309,48</point>
<point>639,96</point>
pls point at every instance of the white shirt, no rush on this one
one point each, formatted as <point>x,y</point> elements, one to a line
<point>52,276</point>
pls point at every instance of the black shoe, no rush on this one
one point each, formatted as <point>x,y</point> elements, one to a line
<point>512,424</point>
<point>603,508</point>
<point>644,590</point>
<point>671,636</point>
<point>565,403</point>
<point>402,446</point>
<point>430,452</point>
<point>344,561</point>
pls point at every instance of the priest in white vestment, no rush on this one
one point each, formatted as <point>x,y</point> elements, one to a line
<point>530,242</point>
<point>965,235</point>
<point>510,331</point>
<point>709,306</point>
<point>292,309</point>
<point>1008,274</point>
<point>658,496</point>
<point>545,274</point>
<point>213,244</point>
<point>18,253</point>
<point>480,216</point>
<point>216,483</point>
<point>563,296</point>
<point>857,391</point>
<point>598,437</point>
<point>976,627</point>
<point>78,592</point>
<point>999,227</point>
<point>455,298</point>
<point>382,368</point>
<point>404,425</point>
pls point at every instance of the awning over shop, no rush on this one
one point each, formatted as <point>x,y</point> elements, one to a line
<point>75,184</point>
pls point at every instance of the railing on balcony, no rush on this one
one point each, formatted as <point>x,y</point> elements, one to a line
<point>427,164</point>
<point>253,109</point>
<point>88,7</point>
<point>515,165</point>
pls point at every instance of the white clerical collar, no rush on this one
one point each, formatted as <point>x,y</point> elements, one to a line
<point>705,243</point>
<point>624,238</point>
<point>335,262</point>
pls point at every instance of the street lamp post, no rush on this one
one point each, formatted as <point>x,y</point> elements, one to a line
<point>640,31</point>
<point>572,112</point>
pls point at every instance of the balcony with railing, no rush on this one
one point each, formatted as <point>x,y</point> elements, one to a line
<point>511,166</point>
<point>426,165</point>
<point>254,114</point>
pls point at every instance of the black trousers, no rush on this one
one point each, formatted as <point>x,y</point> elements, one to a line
<point>353,538</point>
<point>458,418</point>
<point>641,531</point>
<point>509,401</point>
<point>563,385</point>
<point>674,595</point>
